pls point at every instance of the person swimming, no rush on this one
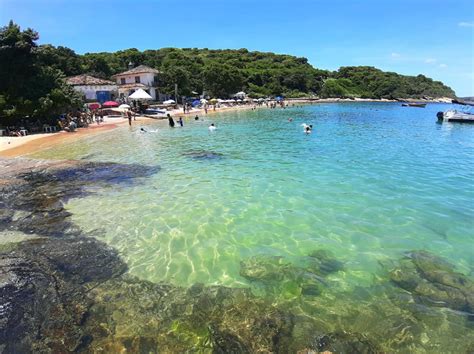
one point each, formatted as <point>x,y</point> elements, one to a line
<point>143,130</point>
<point>212,127</point>
<point>196,118</point>
<point>307,130</point>
<point>290,119</point>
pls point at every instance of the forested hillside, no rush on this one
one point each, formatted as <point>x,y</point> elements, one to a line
<point>224,72</point>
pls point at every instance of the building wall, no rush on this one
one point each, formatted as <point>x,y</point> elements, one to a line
<point>145,78</point>
<point>90,90</point>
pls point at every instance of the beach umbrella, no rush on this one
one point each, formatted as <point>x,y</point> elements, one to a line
<point>140,94</point>
<point>213,100</point>
<point>124,106</point>
<point>94,105</point>
<point>203,100</point>
<point>169,102</point>
<point>110,104</point>
<point>196,103</point>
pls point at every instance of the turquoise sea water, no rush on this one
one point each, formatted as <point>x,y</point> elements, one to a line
<point>373,181</point>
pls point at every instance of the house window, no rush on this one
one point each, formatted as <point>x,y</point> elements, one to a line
<point>122,81</point>
<point>137,79</point>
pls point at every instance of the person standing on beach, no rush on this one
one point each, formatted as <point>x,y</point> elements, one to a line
<point>170,121</point>
<point>129,115</point>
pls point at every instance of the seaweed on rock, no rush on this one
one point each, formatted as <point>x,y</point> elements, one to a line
<point>276,272</point>
<point>434,282</point>
<point>138,316</point>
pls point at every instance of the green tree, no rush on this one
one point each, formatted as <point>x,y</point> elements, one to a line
<point>221,80</point>
<point>28,87</point>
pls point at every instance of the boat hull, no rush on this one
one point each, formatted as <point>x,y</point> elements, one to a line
<point>455,117</point>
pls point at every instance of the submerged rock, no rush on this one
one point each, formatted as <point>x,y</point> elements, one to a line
<point>39,310</point>
<point>434,281</point>
<point>323,262</point>
<point>281,276</point>
<point>138,316</point>
<point>344,342</point>
<point>204,155</point>
<point>32,200</point>
<point>44,281</point>
<point>266,268</point>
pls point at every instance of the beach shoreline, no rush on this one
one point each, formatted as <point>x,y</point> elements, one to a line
<point>20,146</point>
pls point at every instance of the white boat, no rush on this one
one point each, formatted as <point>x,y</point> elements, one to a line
<point>455,116</point>
<point>155,113</point>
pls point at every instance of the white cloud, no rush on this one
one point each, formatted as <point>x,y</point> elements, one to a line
<point>430,60</point>
<point>395,55</point>
<point>442,65</point>
<point>466,24</point>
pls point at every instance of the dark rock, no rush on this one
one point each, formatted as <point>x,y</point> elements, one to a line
<point>323,262</point>
<point>281,276</point>
<point>434,281</point>
<point>204,155</point>
<point>265,268</point>
<point>39,194</point>
<point>44,282</point>
<point>344,342</point>
<point>224,342</point>
<point>178,319</point>
<point>39,311</point>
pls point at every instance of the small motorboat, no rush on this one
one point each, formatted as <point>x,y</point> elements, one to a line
<point>155,113</point>
<point>455,116</point>
<point>419,105</point>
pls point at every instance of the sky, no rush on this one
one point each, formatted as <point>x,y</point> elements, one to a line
<point>430,37</point>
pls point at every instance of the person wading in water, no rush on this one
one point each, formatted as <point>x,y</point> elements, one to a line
<point>170,121</point>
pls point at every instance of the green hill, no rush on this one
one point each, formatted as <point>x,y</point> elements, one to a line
<point>224,72</point>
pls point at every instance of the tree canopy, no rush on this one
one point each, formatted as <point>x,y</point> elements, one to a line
<point>31,82</point>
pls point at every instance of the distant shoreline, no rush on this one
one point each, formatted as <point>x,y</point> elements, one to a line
<point>341,100</point>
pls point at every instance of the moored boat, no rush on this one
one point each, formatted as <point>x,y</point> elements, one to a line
<point>455,116</point>
<point>419,105</point>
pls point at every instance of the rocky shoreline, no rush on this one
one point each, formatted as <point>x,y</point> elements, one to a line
<point>65,291</point>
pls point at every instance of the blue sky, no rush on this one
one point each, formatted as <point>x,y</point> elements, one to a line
<point>431,37</point>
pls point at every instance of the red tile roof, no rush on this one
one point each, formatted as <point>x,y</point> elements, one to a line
<point>138,70</point>
<point>85,80</point>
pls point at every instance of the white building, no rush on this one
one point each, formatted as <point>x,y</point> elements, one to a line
<point>131,80</point>
<point>93,88</point>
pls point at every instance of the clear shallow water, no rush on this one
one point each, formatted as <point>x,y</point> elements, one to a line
<point>372,182</point>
